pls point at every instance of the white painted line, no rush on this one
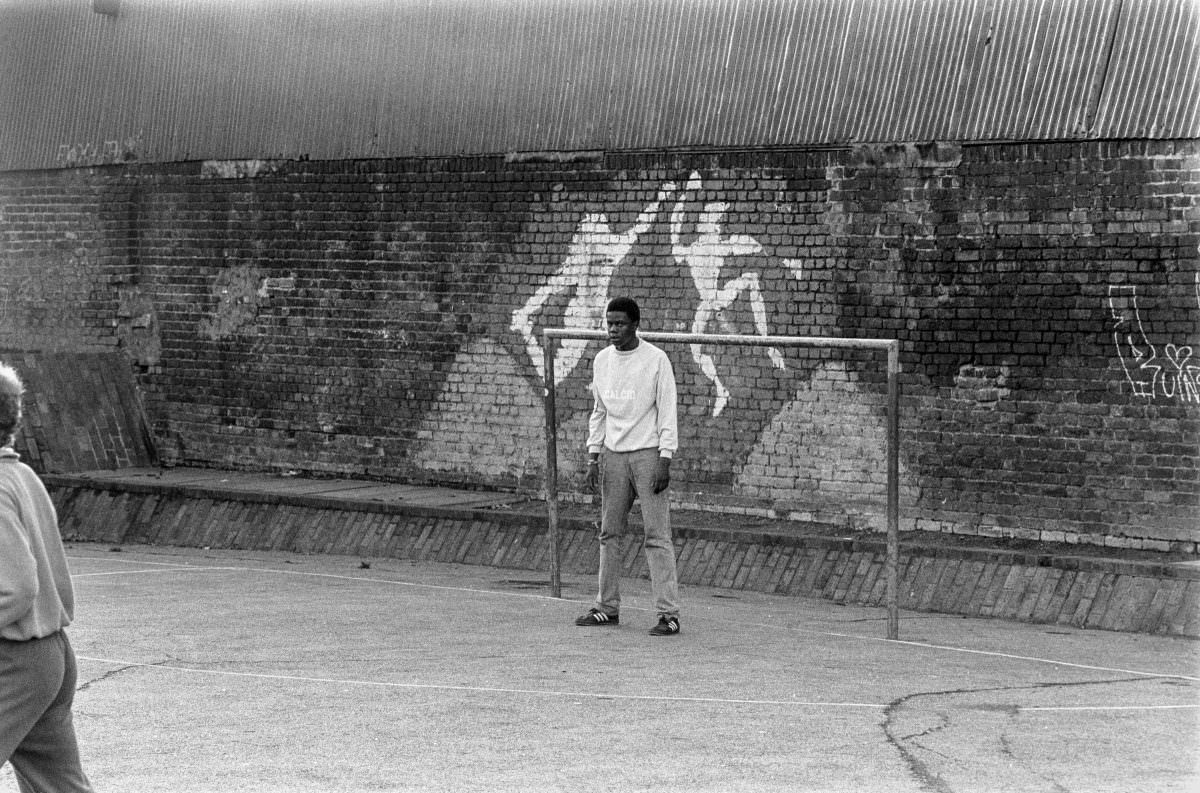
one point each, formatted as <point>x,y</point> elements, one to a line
<point>118,559</point>
<point>1110,707</point>
<point>990,653</point>
<point>471,590</point>
<point>483,689</point>
<point>313,574</point>
<point>181,568</point>
<point>774,627</point>
<point>1052,661</point>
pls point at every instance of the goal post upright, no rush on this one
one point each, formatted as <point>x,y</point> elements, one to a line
<point>893,491</point>
<point>548,350</point>
<point>550,338</point>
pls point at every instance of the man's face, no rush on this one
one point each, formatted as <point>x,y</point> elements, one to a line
<point>622,331</point>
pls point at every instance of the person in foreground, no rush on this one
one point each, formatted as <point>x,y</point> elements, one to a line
<point>632,435</point>
<point>37,664</point>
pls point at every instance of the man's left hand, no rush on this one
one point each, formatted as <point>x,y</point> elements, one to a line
<point>662,475</point>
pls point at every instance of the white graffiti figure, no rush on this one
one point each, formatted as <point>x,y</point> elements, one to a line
<point>1173,374</point>
<point>592,257</point>
<point>705,258</point>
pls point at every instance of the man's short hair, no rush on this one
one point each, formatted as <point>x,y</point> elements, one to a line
<point>627,305</point>
<point>11,389</point>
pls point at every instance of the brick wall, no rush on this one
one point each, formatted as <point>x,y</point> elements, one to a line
<point>380,318</point>
<point>82,412</point>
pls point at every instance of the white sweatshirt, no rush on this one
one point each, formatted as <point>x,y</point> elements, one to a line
<point>634,394</point>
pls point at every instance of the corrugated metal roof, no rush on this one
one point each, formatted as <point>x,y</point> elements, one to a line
<point>1153,79</point>
<point>170,80</point>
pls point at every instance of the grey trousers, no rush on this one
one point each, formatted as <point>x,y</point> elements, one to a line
<point>37,734</point>
<point>625,476</point>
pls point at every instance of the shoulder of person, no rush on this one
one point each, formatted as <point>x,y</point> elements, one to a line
<point>655,351</point>
<point>13,480</point>
<point>13,471</point>
<point>650,348</point>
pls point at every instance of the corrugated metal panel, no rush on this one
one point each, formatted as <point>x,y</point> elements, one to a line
<point>1153,85</point>
<point>179,80</point>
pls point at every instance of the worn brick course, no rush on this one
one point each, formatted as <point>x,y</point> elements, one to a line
<point>364,318</point>
<point>1108,594</point>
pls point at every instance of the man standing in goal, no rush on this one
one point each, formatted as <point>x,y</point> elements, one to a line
<point>632,435</point>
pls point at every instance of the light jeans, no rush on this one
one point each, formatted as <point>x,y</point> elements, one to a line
<point>625,476</point>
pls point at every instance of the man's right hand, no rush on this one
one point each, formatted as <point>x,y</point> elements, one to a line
<point>593,476</point>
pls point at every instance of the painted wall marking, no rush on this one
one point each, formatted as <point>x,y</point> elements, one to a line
<point>105,152</point>
<point>592,258</point>
<point>596,251</point>
<point>705,258</point>
<point>1174,374</point>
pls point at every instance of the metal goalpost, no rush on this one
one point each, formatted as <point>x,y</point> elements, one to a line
<point>550,338</point>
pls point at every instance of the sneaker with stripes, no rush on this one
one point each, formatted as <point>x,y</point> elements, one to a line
<point>667,626</point>
<point>598,617</point>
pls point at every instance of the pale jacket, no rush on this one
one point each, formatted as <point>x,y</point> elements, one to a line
<point>36,596</point>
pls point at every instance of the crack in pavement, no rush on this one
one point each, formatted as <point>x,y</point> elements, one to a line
<point>107,675</point>
<point>926,777</point>
<point>1007,750</point>
<point>944,719</point>
<point>114,672</point>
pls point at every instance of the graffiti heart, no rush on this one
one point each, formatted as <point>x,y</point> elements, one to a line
<point>1172,374</point>
<point>596,251</point>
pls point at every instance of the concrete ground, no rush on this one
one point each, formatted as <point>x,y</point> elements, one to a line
<point>244,671</point>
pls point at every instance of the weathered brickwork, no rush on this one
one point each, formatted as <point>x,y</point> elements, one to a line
<point>382,318</point>
<point>82,412</point>
<point>69,253</point>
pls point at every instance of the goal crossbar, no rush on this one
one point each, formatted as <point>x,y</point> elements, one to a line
<point>551,336</point>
